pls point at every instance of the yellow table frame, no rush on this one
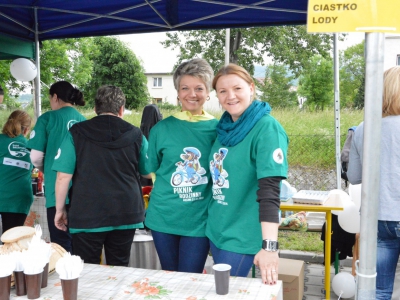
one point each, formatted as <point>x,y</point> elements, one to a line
<point>327,207</point>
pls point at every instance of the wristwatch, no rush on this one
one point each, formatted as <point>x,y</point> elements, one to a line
<point>270,246</point>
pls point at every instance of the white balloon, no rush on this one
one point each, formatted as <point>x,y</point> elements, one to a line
<point>355,194</point>
<point>349,219</point>
<point>344,285</point>
<point>23,69</point>
<point>338,198</point>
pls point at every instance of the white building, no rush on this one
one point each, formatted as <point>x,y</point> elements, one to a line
<point>392,51</point>
<point>161,89</point>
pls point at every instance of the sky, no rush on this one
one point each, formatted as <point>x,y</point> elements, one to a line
<point>156,58</point>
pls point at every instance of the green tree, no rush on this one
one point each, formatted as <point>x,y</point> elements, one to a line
<point>276,87</point>
<point>359,99</point>
<point>114,63</point>
<point>12,88</point>
<point>352,68</point>
<point>289,45</point>
<point>67,59</point>
<point>316,83</point>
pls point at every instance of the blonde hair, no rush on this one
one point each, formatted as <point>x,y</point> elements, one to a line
<point>391,92</point>
<point>197,67</point>
<point>17,122</point>
<point>233,69</point>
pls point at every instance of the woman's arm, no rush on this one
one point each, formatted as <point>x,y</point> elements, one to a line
<point>268,197</point>
<point>62,185</point>
<point>37,159</point>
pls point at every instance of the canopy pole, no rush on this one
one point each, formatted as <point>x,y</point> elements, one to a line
<point>38,106</point>
<point>374,56</point>
<point>337,109</point>
<point>227,45</point>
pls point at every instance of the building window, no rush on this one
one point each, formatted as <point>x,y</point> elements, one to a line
<point>157,82</point>
<point>398,60</point>
<point>157,100</point>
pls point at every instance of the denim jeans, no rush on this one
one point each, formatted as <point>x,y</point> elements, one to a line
<point>387,257</point>
<point>181,253</point>
<point>240,263</point>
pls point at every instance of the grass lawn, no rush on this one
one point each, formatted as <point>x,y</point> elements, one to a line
<point>301,241</point>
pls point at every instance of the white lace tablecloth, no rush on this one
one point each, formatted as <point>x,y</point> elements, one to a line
<point>110,283</point>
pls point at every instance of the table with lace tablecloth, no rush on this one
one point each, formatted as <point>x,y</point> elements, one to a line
<point>109,282</point>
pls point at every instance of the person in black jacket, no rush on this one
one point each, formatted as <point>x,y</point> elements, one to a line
<point>104,157</point>
<point>150,117</point>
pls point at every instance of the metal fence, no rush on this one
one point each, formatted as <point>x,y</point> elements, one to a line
<point>312,163</point>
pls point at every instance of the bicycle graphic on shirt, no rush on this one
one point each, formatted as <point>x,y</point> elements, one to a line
<point>216,168</point>
<point>182,175</point>
<point>189,171</point>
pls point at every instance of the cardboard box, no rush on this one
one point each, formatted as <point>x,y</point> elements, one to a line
<point>291,272</point>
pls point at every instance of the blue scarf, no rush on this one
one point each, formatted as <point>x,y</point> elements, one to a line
<point>232,133</point>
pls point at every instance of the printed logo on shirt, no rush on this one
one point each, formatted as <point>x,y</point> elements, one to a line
<point>70,123</point>
<point>16,163</point>
<point>58,153</point>
<point>188,173</point>
<point>278,156</point>
<point>219,175</point>
<point>32,134</point>
<point>17,149</point>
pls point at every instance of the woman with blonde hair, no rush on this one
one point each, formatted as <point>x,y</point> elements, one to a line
<point>247,161</point>
<point>178,150</point>
<point>388,236</point>
<point>15,170</point>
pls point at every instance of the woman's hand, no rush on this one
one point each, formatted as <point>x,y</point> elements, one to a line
<point>268,263</point>
<point>61,219</point>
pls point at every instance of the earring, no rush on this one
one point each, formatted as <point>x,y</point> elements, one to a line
<point>208,98</point>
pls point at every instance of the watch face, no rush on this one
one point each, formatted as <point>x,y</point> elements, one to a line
<point>268,245</point>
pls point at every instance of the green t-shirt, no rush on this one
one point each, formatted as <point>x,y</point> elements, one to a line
<point>66,162</point>
<point>233,213</point>
<point>49,132</point>
<point>15,172</point>
<point>178,155</point>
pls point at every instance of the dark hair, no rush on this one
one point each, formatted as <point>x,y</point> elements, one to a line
<point>109,99</point>
<point>16,123</point>
<point>67,93</point>
<point>1,91</point>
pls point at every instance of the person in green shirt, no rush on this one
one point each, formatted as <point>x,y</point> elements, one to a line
<point>247,161</point>
<point>178,150</point>
<point>15,170</point>
<point>45,140</point>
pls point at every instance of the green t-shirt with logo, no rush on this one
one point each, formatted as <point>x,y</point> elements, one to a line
<point>178,155</point>
<point>46,136</point>
<point>233,212</point>
<point>15,172</point>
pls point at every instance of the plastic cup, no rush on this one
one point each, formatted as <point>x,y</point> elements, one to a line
<point>5,286</point>
<point>45,275</point>
<point>221,275</point>
<point>70,288</point>
<point>33,285</point>
<point>20,286</point>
